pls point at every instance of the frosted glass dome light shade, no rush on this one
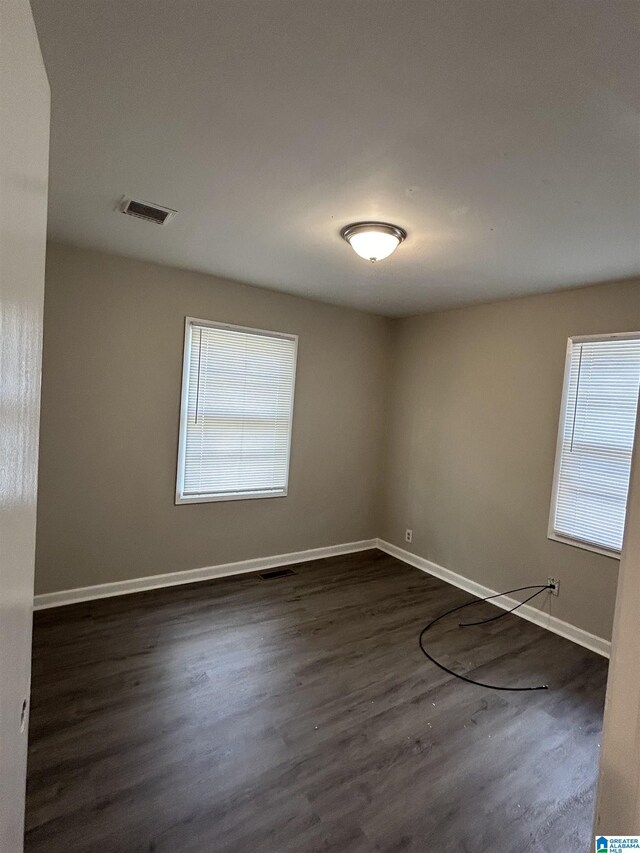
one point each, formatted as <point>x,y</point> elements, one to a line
<point>373,241</point>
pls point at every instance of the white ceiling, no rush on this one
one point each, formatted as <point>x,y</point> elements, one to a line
<point>502,134</point>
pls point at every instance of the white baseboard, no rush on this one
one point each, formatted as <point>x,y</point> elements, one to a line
<point>528,612</point>
<point>261,564</point>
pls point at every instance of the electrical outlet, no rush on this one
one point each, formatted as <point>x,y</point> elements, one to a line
<point>555,583</point>
<point>408,535</point>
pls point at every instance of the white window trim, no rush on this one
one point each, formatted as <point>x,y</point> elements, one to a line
<point>551,533</point>
<point>180,499</point>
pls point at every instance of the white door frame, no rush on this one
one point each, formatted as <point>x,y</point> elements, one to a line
<point>24,163</point>
<point>618,799</point>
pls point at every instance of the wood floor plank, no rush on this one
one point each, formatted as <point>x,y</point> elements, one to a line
<point>299,714</point>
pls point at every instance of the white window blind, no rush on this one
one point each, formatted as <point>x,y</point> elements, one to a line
<point>237,407</point>
<point>595,443</point>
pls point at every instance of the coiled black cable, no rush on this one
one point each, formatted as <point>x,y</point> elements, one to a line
<point>539,587</point>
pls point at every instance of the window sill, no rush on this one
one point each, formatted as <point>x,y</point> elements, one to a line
<point>235,496</point>
<point>585,546</point>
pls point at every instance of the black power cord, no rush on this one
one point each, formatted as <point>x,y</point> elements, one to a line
<point>539,587</point>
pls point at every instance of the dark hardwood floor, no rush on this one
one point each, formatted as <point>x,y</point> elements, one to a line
<point>298,714</point>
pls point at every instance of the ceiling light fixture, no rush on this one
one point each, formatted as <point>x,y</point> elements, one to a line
<point>373,241</point>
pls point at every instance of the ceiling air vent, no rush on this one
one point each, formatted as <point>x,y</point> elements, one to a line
<point>146,210</point>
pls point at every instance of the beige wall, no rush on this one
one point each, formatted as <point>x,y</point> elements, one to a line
<point>445,423</point>
<point>24,159</point>
<point>110,412</point>
<point>472,434</point>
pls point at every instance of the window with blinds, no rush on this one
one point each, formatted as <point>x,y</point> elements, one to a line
<point>595,442</point>
<point>237,408</point>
